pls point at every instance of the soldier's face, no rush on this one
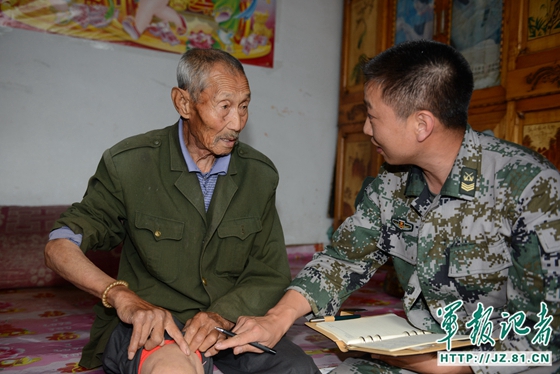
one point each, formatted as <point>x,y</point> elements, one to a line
<point>221,112</point>
<point>391,135</point>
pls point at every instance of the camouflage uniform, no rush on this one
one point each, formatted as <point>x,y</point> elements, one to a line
<point>492,235</point>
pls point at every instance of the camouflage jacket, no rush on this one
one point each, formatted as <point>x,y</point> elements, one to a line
<point>492,235</point>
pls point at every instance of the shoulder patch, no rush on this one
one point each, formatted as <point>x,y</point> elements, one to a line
<point>152,139</point>
<point>246,151</point>
<point>468,181</point>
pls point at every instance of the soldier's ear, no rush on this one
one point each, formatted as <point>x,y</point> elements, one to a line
<point>425,122</point>
<point>182,101</point>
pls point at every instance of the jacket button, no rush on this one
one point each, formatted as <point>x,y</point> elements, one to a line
<point>157,234</point>
<point>204,281</point>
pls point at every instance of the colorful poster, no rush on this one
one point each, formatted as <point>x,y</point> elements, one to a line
<point>244,28</point>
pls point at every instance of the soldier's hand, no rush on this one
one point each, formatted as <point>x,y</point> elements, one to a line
<point>267,330</point>
<point>264,330</point>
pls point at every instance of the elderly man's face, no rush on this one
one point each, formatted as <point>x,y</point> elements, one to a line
<point>221,112</point>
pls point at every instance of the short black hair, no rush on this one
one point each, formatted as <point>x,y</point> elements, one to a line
<point>423,75</point>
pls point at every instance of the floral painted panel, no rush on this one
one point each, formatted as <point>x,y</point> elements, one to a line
<point>545,139</point>
<point>544,18</point>
<point>244,28</point>
<point>362,42</point>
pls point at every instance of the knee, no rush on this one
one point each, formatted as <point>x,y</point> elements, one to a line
<point>172,364</point>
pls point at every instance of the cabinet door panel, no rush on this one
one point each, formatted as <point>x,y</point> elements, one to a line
<point>539,125</point>
<point>535,33</point>
<point>489,118</point>
<point>356,159</point>
<point>541,24</point>
<point>361,41</point>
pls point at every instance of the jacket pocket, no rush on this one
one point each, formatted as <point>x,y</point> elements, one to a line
<point>157,242</point>
<point>548,234</point>
<point>479,271</point>
<point>478,258</point>
<point>237,237</point>
<point>161,228</point>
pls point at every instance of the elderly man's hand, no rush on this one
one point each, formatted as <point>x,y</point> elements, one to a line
<point>200,332</point>
<point>149,322</point>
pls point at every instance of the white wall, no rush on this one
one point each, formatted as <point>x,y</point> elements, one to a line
<point>63,101</point>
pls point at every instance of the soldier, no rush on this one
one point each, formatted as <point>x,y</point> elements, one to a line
<point>464,216</point>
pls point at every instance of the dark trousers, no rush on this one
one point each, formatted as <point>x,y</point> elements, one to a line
<point>289,359</point>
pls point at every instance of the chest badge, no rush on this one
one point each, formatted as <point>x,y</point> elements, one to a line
<point>401,224</point>
<point>468,181</point>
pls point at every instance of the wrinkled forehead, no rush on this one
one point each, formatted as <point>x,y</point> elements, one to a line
<point>221,73</point>
<point>225,84</point>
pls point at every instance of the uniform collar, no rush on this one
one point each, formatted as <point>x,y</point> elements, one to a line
<point>463,180</point>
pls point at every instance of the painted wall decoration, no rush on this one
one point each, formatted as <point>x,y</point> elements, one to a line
<point>544,18</point>
<point>415,20</point>
<point>244,28</point>
<point>545,139</point>
<point>476,32</point>
<point>362,40</point>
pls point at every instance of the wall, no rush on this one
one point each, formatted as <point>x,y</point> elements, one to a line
<point>64,100</point>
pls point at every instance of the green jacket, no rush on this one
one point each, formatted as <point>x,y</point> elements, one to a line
<point>230,260</point>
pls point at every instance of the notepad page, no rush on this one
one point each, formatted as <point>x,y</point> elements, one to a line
<point>361,330</point>
<point>409,342</point>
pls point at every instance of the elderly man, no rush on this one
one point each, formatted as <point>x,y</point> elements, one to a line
<point>469,220</point>
<point>203,243</point>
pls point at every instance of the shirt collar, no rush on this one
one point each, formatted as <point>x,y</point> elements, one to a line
<point>220,166</point>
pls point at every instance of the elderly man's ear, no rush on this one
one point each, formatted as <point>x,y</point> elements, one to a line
<point>182,101</point>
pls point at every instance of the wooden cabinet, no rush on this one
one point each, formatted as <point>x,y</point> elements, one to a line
<point>514,51</point>
<point>356,158</point>
<point>533,84</point>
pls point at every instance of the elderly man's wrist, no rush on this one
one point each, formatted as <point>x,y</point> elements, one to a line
<point>108,289</point>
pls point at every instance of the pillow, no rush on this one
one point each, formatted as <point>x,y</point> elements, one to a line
<point>24,231</point>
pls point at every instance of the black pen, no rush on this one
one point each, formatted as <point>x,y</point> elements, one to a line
<point>254,344</point>
<point>334,318</point>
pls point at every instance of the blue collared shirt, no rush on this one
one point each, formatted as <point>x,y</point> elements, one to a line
<point>207,181</point>
<point>207,185</point>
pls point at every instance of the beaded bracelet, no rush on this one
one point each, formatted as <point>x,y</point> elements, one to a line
<point>104,297</point>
